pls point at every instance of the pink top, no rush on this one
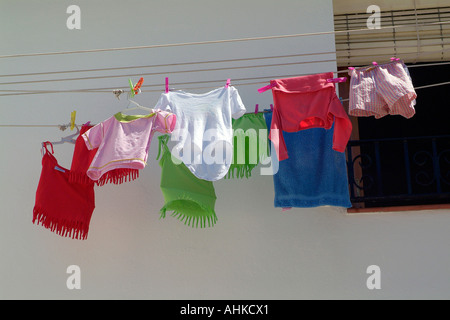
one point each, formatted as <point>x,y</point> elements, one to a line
<point>123,140</point>
<point>307,102</point>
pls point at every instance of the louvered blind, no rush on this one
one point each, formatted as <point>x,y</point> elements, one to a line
<point>421,35</point>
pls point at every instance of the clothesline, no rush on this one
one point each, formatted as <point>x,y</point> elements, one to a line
<point>165,65</point>
<point>236,81</point>
<point>421,87</point>
<point>224,41</point>
<point>59,125</point>
<point>185,89</point>
<point>166,72</point>
<point>192,71</point>
<point>213,61</point>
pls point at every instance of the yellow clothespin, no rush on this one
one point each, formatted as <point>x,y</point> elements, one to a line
<point>72,119</point>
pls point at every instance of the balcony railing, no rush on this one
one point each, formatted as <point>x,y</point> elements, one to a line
<point>414,170</point>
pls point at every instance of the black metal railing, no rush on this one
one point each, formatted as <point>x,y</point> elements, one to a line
<point>399,171</point>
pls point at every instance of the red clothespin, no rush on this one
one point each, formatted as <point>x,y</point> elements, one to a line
<point>167,85</point>
<point>271,107</point>
<point>337,80</point>
<point>256,108</point>
<point>137,87</point>
<point>228,83</point>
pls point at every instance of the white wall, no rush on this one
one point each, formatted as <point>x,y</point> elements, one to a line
<point>255,251</point>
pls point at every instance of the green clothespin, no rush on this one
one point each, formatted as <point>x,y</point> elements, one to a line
<point>131,88</point>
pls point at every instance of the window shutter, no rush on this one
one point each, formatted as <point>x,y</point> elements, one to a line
<point>421,35</point>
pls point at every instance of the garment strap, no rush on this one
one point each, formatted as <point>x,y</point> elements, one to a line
<point>162,144</point>
<point>45,144</point>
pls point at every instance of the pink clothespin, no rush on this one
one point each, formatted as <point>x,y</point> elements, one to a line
<point>395,59</point>
<point>256,109</point>
<point>375,63</point>
<point>167,85</point>
<point>350,69</point>
<point>265,88</point>
<point>228,83</point>
<point>336,80</point>
<point>286,209</point>
<point>271,107</point>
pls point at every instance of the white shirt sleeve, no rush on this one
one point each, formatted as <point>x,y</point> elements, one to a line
<point>237,106</point>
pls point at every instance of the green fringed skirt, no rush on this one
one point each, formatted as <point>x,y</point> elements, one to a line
<point>190,199</point>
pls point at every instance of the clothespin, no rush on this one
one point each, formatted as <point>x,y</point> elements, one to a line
<point>337,80</point>
<point>228,83</point>
<point>265,88</point>
<point>131,88</point>
<point>137,87</point>
<point>375,63</point>
<point>395,59</point>
<point>117,93</point>
<point>72,119</point>
<point>271,107</point>
<point>350,69</point>
<point>256,108</point>
<point>167,85</point>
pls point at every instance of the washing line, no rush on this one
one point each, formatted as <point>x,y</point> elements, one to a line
<point>420,87</point>
<point>223,41</point>
<point>59,125</point>
<point>167,72</point>
<point>192,71</point>
<point>235,82</point>
<point>222,61</point>
<point>165,65</point>
<point>177,64</point>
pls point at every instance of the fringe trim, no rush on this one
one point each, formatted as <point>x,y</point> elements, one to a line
<point>240,171</point>
<point>118,176</point>
<point>209,217</point>
<point>66,228</point>
<point>190,220</point>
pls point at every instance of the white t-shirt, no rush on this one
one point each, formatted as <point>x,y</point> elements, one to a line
<point>203,130</point>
